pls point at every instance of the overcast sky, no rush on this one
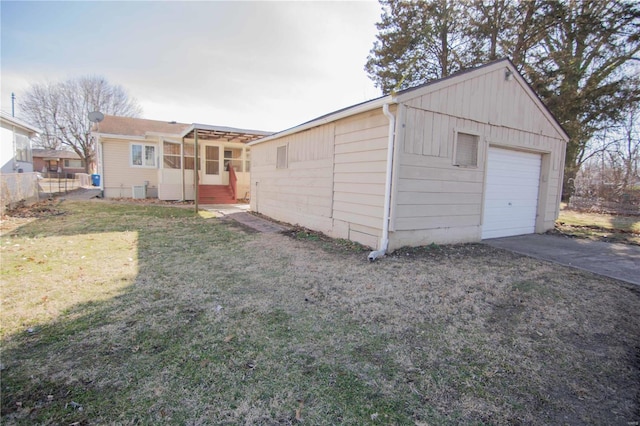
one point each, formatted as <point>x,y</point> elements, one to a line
<point>262,65</point>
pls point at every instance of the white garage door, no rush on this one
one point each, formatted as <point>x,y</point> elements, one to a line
<point>511,193</point>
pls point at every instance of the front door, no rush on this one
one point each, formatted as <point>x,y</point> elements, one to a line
<point>210,165</point>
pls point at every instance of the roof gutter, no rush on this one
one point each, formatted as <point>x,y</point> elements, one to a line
<point>384,238</point>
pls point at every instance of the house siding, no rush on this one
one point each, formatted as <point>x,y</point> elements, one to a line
<point>118,176</point>
<point>359,175</point>
<point>334,181</point>
<point>300,193</point>
<point>437,201</point>
<point>8,162</point>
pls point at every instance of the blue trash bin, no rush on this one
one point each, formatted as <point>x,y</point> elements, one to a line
<point>95,180</point>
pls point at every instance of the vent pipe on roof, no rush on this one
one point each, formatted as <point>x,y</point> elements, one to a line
<point>384,238</point>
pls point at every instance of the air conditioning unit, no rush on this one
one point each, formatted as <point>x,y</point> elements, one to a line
<point>139,192</point>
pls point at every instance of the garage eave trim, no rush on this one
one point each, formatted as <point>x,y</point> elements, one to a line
<point>336,115</point>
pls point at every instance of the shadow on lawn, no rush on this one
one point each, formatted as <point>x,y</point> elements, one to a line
<point>102,359</point>
<point>460,334</point>
<point>626,223</point>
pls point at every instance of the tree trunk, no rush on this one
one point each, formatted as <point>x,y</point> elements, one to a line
<point>568,182</point>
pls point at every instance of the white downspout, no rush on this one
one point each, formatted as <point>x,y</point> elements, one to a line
<point>101,164</point>
<point>384,238</point>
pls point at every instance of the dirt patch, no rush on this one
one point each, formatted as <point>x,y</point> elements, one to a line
<point>23,213</point>
<point>326,242</point>
<point>150,201</point>
<point>41,209</point>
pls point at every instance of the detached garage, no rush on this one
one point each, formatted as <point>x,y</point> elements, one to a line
<point>469,157</point>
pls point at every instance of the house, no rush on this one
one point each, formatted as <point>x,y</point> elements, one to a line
<point>18,182</point>
<point>139,158</point>
<point>57,163</point>
<point>15,145</point>
<point>472,156</point>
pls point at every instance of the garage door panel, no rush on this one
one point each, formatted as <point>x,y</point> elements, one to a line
<point>511,193</point>
<point>523,196</point>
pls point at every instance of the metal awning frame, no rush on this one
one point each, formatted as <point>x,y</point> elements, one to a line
<point>199,132</point>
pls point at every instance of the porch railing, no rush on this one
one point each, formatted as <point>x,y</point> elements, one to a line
<point>233,179</point>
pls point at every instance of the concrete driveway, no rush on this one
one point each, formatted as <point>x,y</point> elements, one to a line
<point>619,261</point>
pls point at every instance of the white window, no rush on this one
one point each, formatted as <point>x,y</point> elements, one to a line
<point>143,155</point>
<point>171,155</point>
<point>466,150</point>
<point>281,161</point>
<point>73,164</point>
<point>247,161</point>
<point>23,148</point>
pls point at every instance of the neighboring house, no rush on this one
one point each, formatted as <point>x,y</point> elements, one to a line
<point>476,155</point>
<point>147,158</point>
<point>15,145</point>
<point>57,163</point>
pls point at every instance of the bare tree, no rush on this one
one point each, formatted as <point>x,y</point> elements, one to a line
<point>610,170</point>
<point>624,152</point>
<point>61,109</point>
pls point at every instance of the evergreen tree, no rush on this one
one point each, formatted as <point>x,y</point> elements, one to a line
<point>417,42</point>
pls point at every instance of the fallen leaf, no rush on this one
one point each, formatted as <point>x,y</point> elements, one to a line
<point>299,410</point>
<point>229,338</point>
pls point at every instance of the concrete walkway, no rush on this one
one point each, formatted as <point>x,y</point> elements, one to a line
<point>619,261</point>
<point>239,213</point>
<point>81,194</point>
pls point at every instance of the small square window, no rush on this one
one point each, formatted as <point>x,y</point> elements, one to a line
<point>466,150</point>
<point>281,161</point>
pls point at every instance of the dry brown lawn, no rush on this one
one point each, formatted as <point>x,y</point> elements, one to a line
<point>171,318</point>
<point>599,226</point>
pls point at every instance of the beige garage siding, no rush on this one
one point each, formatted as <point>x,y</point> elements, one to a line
<point>359,176</point>
<point>434,200</point>
<point>488,98</point>
<point>334,179</point>
<point>301,192</point>
<point>118,175</point>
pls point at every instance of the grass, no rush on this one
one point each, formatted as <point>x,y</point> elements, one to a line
<point>157,315</point>
<point>599,226</point>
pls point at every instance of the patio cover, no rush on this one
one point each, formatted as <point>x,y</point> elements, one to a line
<point>230,134</point>
<point>207,132</point>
